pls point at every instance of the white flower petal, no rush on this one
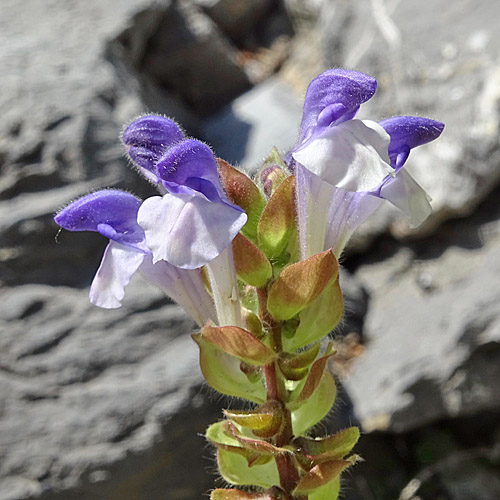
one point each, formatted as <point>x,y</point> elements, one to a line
<point>313,197</point>
<point>118,265</point>
<point>406,194</point>
<point>188,230</point>
<point>184,286</point>
<point>352,155</point>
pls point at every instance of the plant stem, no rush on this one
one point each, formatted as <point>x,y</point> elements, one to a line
<point>287,468</point>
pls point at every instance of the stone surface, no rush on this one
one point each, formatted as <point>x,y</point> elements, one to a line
<point>96,403</point>
<point>245,132</point>
<point>472,475</point>
<point>237,19</point>
<point>433,324</point>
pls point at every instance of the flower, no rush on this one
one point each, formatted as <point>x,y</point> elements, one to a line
<point>169,237</point>
<point>113,214</point>
<point>345,166</point>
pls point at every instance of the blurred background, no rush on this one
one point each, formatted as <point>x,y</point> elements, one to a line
<point>108,405</point>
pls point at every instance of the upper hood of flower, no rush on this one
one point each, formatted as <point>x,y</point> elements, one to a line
<point>111,212</point>
<point>331,98</point>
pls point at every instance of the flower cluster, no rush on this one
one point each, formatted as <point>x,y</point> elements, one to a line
<point>255,265</point>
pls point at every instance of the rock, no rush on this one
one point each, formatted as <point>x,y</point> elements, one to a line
<point>433,324</point>
<point>472,475</point>
<point>98,402</point>
<point>236,19</point>
<point>245,132</point>
<point>190,57</point>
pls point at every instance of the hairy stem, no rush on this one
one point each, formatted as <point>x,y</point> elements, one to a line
<point>287,468</point>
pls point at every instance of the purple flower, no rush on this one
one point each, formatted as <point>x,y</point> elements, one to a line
<point>167,238</point>
<point>345,166</point>
<point>113,214</point>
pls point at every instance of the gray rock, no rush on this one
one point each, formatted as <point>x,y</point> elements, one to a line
<point>237,19</point>
<point>98,402</point>
<point>245,132</point>
<point>190,57</point>
<point>432,329</point>
<point>471,475</point>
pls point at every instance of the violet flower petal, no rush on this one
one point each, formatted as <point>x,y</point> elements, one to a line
<point>118,264</point>
<point>147,138</point>
<point>187,160</point>
<point>111,212</point>
<point>408,132</point>
<point>188,230</point>
<point>331,98</point>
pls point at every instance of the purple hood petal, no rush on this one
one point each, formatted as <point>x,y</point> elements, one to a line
<point>111,212</point>
<point>147,138</point>
<point>333,97</point>
<point>408,132</point>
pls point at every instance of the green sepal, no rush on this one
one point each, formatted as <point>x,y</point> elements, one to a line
<point>248,297</point>
<point>242,191</point>
<point>235,470</point>
<point>274,158</point>
<point>272,173</point>
<point>329,491</point>
<point>321,474</point>
<point>336,446</point>
<point>238,342</point>
<point>300,284</point>
<point>251,265</point>
<point>296,366</point>
<point>314,409</point>
<point>223,373</point>
<point>217,434</point>
<point>253,323</point>
<point>252,444</point>
<point>308,386</point>
<point>317,320</point>
<point>220,494</point>
<point>277,222</point>
<point>265,421</point>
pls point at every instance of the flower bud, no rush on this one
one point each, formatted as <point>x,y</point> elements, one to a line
<point>277,222</point>
<point>242,191</point>
<point>252,266</point>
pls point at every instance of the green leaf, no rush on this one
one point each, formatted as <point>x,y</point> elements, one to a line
<point>235,470</point>
<point>335,446</point>
<point>223,373</point>
<point>250,443</point>
<point>264,421</point>
<point>305,389</point>
<point>329,491</point>
<point>300,284</point>
<point>242,191</point>
<point>220,494</point>
<point>238,342</point>
<point>217,434</point>
<point>317,320</point>
<point>277,222</point>
<point>252,266</point>
<point>320,475</point>
<point>316,407</point>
